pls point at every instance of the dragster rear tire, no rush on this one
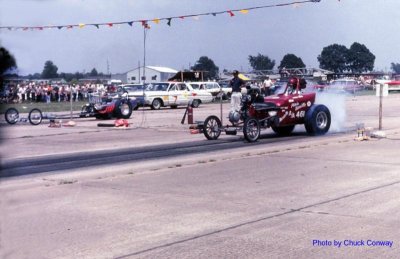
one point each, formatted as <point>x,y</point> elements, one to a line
<point>123,109</point>
<point>212,127</point>
<point>317,120</point>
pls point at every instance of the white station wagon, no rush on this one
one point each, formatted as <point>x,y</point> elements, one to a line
<point>174,94</point>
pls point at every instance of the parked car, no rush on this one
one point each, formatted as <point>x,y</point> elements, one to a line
<point>174,94</point>
<point>315,86</point>
<point>226,88</point>
<point>394,85</point>
<point>345,85</point>
<point>135,91</point>
<point>128,88</point>
<point>212,87</point>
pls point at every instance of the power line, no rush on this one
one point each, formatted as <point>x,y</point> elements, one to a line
<point>144,22</point>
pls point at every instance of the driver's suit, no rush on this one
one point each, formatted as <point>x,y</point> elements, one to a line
<point>236,83</point>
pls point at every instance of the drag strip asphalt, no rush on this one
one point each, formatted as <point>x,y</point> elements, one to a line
<point>60,162</point>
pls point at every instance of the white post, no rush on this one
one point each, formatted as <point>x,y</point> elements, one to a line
<point>380,106</point>
<point>222,123</point>
<point>71,103</point>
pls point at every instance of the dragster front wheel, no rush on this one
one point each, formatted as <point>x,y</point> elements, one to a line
<point>11,115</point>
<point>251,129</point>
<point>212,127</point>
<point>35,116</point>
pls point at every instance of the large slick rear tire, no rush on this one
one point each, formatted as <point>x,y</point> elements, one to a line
<point>123,109</point>
<point>317,120</point>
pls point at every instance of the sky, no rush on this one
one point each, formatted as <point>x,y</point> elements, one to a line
<point>301,29</point>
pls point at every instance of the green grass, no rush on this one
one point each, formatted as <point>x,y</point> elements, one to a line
<point>44,107</point>
<point>372,92</point>
<point>364,92</point>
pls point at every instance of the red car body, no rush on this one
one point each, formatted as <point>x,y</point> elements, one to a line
<point>293,107</point>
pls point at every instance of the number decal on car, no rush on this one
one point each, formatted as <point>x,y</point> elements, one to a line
<point>300,114</point>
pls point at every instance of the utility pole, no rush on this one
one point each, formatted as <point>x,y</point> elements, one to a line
<point>380,105</point>
<point>140,79</point>
<point>144,52</point>
<point>108,68</point>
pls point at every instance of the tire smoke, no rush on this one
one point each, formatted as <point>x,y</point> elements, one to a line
<point>336,104</point>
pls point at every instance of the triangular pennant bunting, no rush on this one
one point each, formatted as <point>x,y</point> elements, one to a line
<point>145,24</point>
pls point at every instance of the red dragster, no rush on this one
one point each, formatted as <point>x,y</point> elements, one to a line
<point>281,112</point>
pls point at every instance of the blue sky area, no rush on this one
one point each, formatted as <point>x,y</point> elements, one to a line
<point>301,29</point>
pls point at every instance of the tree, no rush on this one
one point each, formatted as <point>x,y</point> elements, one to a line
<point>79,75</point>
<point>49,70</point>
<point>334,58</point>
<point>7,61</point>
<point>359,58</point>
<point>94,72</point>
<point>261,62</point>
<point>291,61</point>
<point>396,68</point>
<point>206,64</point>
<point>34,76</point>
<point>67,76</point>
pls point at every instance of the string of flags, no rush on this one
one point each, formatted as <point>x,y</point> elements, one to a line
<point>146,23</point>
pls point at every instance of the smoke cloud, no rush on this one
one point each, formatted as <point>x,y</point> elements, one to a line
<point>336,104</point>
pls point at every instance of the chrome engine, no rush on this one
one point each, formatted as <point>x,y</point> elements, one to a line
<point>234,117</point>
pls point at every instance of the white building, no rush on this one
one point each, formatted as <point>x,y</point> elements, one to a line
<point>148,75</point>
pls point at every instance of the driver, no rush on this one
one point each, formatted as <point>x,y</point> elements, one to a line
<point>292,85</point>
<point>237,84</point>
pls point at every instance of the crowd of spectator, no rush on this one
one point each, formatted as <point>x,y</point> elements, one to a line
<point>44,92</point>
